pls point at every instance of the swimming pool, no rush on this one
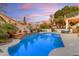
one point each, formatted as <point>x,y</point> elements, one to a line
<point>37,44</point>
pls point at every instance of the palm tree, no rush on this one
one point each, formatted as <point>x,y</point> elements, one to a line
<point>24,20</point>
<point>51,22</point>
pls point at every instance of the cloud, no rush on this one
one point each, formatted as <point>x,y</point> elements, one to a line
<point>36,6</point>
<point>76,4</point>
<point>26,6</point>
<point>45,9</point>
<point>38,15</point>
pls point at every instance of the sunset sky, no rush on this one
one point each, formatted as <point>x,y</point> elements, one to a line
<point>33,12</point>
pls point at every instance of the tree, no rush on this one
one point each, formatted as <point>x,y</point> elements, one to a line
<point>10,28</point>
<point>3,34</point>
<point>58,13</point>
<point>6,31</point>
<point>59,22</point>
<point>45,26</point>
<point>68,11</point>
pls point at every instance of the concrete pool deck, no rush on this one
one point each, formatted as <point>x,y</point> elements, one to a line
<point>4,48</point>
<point>71,42</point>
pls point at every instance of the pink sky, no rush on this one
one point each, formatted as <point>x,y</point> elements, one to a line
<point>34,11</point>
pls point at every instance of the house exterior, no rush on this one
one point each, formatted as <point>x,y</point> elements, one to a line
<point>74,21</point>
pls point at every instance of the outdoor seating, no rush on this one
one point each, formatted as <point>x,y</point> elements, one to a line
<point>65,31</point>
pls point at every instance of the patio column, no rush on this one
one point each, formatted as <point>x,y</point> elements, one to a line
<point>67,24</point>
<point>66,21</point>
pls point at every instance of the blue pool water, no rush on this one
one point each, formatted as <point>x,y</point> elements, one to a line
<point>38,44</point>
